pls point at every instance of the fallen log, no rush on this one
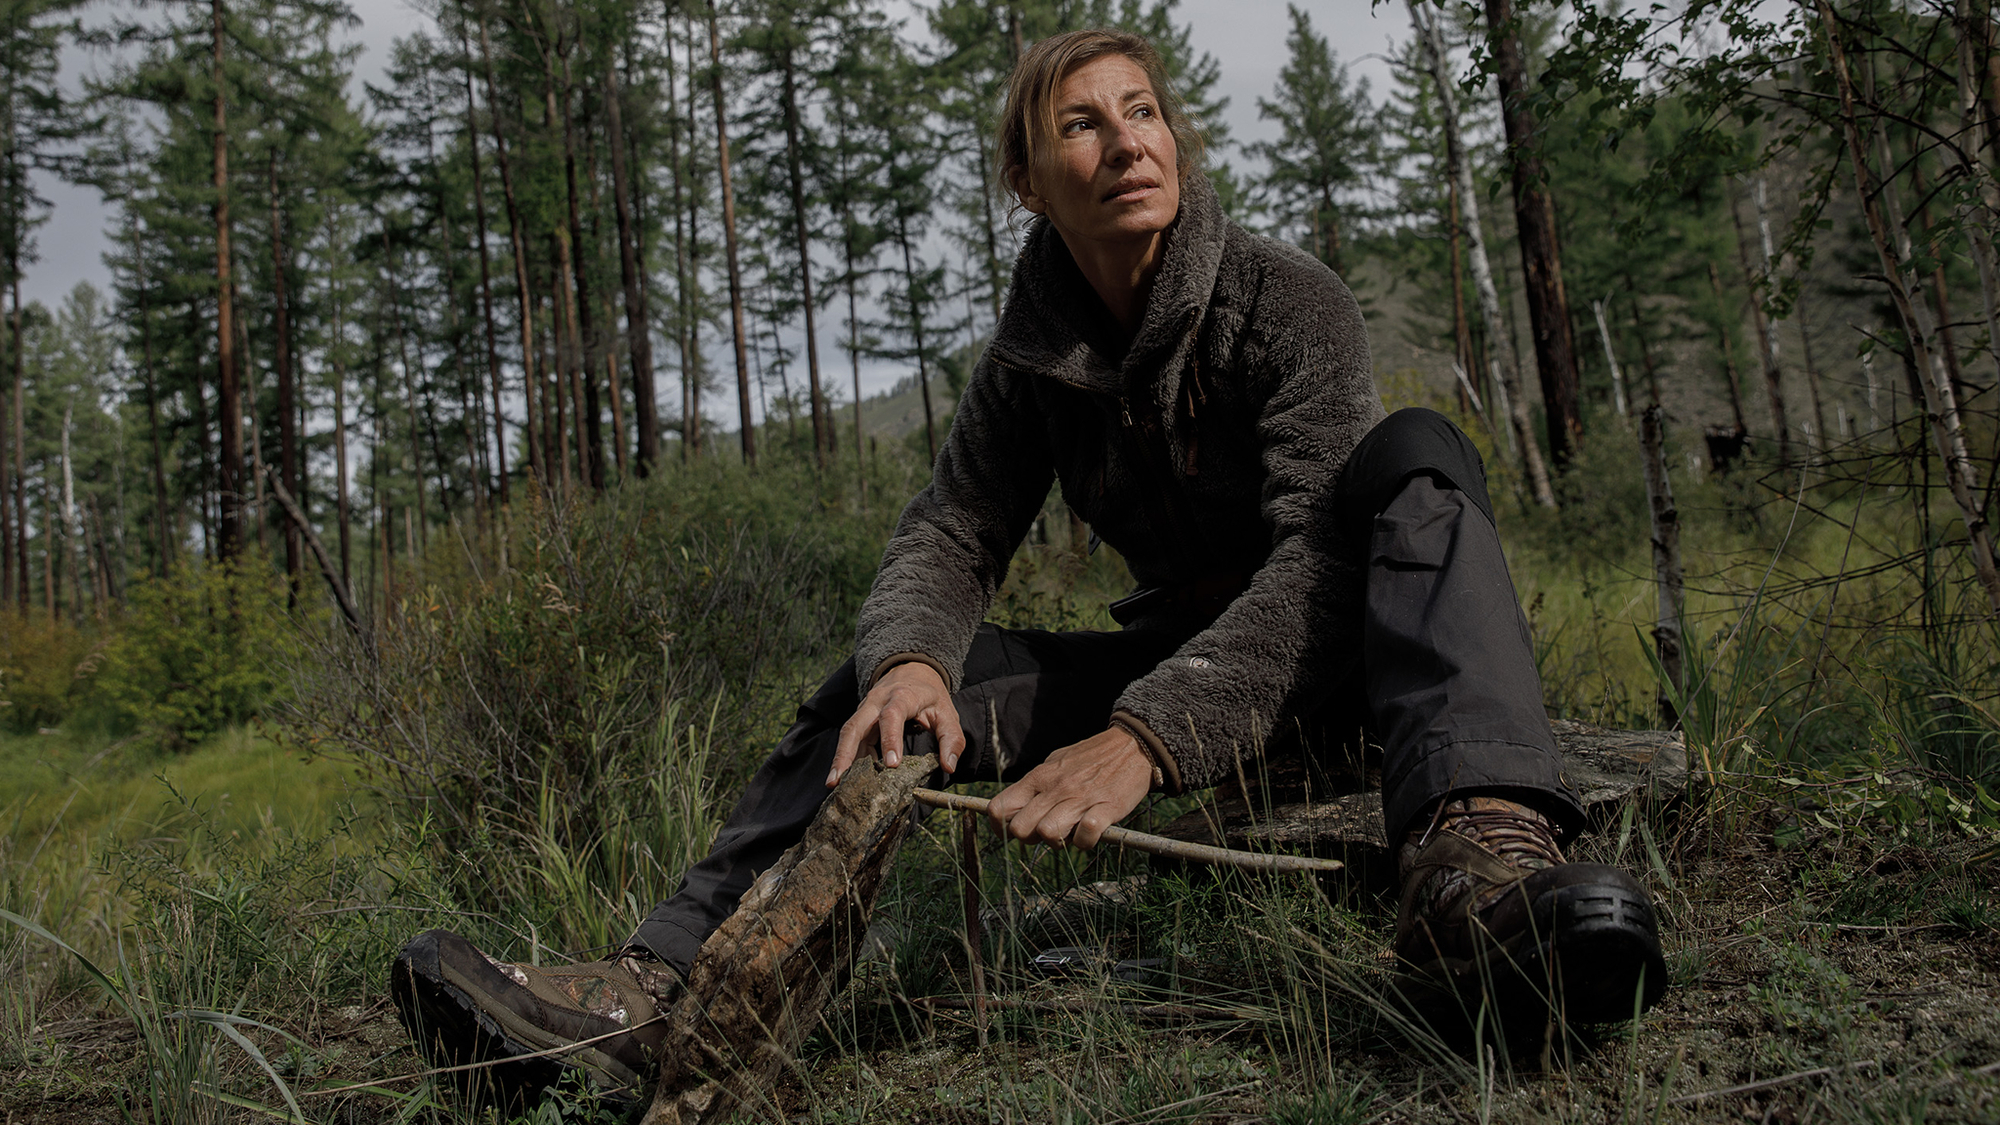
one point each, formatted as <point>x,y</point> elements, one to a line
<point>760,981</point>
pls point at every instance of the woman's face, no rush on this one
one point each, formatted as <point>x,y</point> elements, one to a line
<point>1113,176</point>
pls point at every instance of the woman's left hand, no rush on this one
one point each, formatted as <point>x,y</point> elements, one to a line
<point>1080,791</point>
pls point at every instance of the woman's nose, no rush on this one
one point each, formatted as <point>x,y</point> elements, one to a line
<point>1121,144</point>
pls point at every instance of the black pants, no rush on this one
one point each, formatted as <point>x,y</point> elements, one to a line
<point>1446,684</point>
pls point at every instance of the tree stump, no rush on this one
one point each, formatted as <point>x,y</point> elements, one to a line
<point>760,981</point>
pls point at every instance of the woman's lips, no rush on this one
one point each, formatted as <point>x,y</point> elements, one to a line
<point>1130,190</point>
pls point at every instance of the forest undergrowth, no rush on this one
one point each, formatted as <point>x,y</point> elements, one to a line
<point>543,725</point>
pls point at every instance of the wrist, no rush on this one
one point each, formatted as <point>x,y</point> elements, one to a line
<point>1158,780</point>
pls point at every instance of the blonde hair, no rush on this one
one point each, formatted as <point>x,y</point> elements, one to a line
<point>1028,121</point>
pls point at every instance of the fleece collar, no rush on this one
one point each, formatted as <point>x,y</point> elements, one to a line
<point>1048,322</point>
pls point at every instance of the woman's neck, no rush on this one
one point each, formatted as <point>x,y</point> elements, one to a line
<point>1122,276</point>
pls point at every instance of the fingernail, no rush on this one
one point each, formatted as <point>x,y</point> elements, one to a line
<point>892,759</point>
<point>832,776</point>
<point>950,762</point>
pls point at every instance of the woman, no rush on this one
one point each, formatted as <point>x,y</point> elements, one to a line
<point>1203,398</point>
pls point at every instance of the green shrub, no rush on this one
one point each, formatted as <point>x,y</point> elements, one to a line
<point>197,651</point>
<point>46,668</point>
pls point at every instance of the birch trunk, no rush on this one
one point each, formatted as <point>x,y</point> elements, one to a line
<point>1900,274</point>
<point>1506,375</point>
<point>1767,345</point>
<point>1610,359</point>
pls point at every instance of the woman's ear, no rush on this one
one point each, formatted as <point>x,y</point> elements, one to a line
<point>1024,190</point>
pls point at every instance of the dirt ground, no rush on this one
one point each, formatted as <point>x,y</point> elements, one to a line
<point>1815,978</point>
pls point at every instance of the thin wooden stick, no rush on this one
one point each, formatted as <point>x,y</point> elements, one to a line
<point>1158,845</point>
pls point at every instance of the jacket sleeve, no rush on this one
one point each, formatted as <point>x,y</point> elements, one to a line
<point>953,543</point>
<point>1278,647</point>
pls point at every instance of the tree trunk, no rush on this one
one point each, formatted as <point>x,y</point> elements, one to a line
<point>409,378</point>
<point>537,464</point>
<point>1982,131</point>
<point>729,238</point>
<point>1900,274</point>
<point>1645,343</point>
<point>638,326</point>
<point>288,455</point>
<point>575,252</point>
<point>1610,360</point>
<point>1666,523</point>
<point>1728,353</point>
<point>162,556</point>
<point>1513,402</point>
<point>822,438</point>
<point>568,347</point>
<point>343,514</point>
<point>687,295</point>
<point>917,333</point>
<point>1535,222</point>
<point>501,484</point>
<point>1461,325</point>
<point>1767,344</point>
<point>229,403</point>
<point>13,487</point>
<point>602,341</point>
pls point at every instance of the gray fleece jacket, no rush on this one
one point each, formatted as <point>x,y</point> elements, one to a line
<point>1210,446</point>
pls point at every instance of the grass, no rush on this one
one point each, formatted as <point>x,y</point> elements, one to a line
<point>1828,889</point>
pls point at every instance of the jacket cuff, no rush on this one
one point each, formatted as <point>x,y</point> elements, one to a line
<point>1163,761</point>
<point>907,658</point>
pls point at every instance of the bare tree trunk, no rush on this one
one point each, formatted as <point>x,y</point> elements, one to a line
<point>729,238</point>
<point>1513,403</point>
<point>569,349</point>
<point>822,425</point>
<point>1728,353</point>
<point>229,404</point>
<point>162,557</point>
<point>1900,274</point>
<point>1767,345</point>
<point>485,288</point>
<point>517,236</point>
<point>638,326</point>
<point>288,456</point>
<point>409,378</point>
<point>339,366</point>
<point>1535,221</point>
<point>1611,360</point>
<point>917,332</point>
<point>1981,131</point>
<point>1461,325</point>
<point>686,251</point>
<point>13,495</point>
<point>1666,523</point>
<point>575,252</point>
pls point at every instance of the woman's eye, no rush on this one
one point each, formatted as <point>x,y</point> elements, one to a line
<point>1074,127</point>
<point>1143,111</point>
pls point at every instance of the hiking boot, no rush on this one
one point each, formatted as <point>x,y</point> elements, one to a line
<point>1490,909</point>
<point>461,1006</point>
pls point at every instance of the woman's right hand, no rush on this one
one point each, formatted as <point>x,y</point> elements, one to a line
<point>909,692</point>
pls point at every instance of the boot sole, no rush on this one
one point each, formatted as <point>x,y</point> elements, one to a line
<point>452,1029</point>
<point>1591,955</point>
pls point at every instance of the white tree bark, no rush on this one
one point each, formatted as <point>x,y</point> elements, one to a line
<point>1512,403</point>
<point>1611,357</point>
<point>1892,247</point>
